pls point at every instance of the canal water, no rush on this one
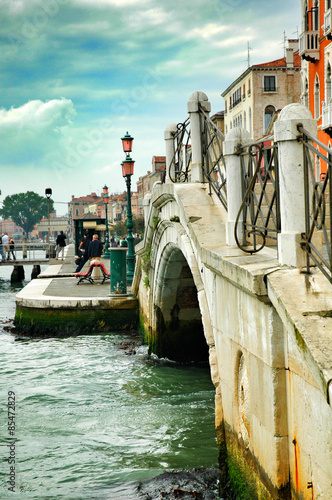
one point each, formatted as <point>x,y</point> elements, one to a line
<point>95,415</point>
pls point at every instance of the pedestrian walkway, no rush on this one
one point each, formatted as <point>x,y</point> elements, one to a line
<point>57,286</point>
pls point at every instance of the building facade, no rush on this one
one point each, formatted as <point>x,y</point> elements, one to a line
<point>316,53</point>
<point>253,98</point>
<point>76,209</point>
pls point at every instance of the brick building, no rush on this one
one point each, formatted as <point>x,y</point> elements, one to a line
<point>253,98</point>
<point>76,209</point>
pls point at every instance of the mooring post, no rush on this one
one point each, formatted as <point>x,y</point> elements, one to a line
<point>169,134</point>
<point>196,101</point>
<point>18,274</point>
<point>291,176</point>
<point>35,271</point>
<point>236,139</point>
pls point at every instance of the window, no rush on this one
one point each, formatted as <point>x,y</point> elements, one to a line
<point>249,87</point>
<point>269,110</point>
<point>250,128</point>
<point>328,83</point>
<point>316,98</point>
<point>327,4</point>
<point>236,97</point>
<point>306,93</point>
<point>225,106</point>
<point>316,16</point>
<point>244,91</point>
<point>244,120</point>
<point>269,83</point>
<point>77,211</point>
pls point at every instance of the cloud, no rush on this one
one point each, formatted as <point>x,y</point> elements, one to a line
<point>208,31</point>
<point>29,131</point>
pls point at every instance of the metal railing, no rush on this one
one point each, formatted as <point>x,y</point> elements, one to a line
<point>32,251</point>
<point>213,162</point>
<point>258,220</point>
<point>318,206</point>
<point>179,169</point>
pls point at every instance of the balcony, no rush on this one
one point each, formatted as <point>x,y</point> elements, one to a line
<point>309,45</point>
<point>328,23</point>
<point>327,115</point>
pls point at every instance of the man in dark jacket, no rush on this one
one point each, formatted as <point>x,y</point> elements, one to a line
<point>95,248</point>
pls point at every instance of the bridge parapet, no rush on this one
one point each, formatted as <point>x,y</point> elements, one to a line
<point>268,331</point>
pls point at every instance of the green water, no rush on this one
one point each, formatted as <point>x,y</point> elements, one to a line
<point>91,420</point>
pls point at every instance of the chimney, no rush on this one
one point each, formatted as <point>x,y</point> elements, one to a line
<point>293,43</point>
<point>289,58</point>
<point>293,46</point>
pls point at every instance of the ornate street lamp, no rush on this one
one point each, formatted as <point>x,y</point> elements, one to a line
<point>48,194</point>
<point>106,199</point>
<point>127,172</point>
<point>127,143</point>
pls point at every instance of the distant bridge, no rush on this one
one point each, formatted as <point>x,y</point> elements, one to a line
<point>31,254</point>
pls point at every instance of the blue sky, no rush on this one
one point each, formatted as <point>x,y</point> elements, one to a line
<point>77,74</point>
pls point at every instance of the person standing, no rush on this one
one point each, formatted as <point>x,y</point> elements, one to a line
<point>11,248</point>
<point>60,245</point>
<point>123,242</point>
<point>5,244</point>
<point>1,250</point>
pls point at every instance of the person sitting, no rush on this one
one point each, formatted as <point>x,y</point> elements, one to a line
<point>95,248</point>
<point>84,248</point>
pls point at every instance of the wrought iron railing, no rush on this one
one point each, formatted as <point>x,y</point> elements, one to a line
<point>179,168</point>
<point>213,162</point>
<point>258,220</point>
<point>318,207</point>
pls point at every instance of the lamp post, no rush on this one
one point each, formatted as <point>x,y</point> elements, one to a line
<point>106,199</point>
<point>48,194</point>
<point>127,172</point>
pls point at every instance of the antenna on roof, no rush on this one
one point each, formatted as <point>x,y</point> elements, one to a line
<point>248,58</point>
<point>296,32</point>
<point>284,43</point>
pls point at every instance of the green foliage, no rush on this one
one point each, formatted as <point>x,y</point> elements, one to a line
<point>146,260</point>
<point>120,229</point>
<point>155,221</point>
<point>175,218</point>
<point>26,209</point>
<point>146,281</point>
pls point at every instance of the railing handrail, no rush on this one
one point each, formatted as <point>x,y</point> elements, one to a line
<point>251,205</point>
<point>316,192</point>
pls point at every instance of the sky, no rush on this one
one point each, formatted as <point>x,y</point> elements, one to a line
<point>76,75</point>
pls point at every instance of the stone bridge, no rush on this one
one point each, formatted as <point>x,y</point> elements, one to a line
<point>264,325</point>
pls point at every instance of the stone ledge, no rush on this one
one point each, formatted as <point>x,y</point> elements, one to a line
<point>305,305</point>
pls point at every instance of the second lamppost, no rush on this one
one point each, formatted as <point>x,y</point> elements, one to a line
<point>106,199</point>
<point>48,194</point>
<point>127,172</point>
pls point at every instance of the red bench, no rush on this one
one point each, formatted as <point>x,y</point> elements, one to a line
<point>87,276</point>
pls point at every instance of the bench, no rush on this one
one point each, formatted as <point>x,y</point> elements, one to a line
<point>87,276</point>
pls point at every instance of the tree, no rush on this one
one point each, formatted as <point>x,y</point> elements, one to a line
<point>26,209</point>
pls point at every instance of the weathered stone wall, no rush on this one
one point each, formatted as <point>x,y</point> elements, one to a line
<point>267,360</point>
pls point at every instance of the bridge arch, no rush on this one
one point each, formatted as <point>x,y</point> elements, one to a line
<point>177,295</point>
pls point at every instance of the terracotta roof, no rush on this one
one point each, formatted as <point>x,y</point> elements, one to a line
<point>159,159</point>
<point>85,198</point>
<point>280,63</point>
